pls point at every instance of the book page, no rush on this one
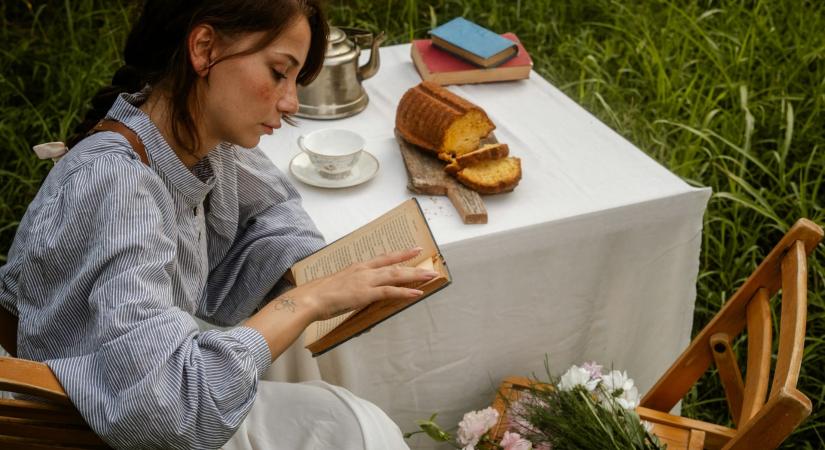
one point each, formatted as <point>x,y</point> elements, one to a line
<point>319,329</point>
<point>401,228</point>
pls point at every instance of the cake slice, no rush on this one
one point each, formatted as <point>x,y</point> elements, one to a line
<point>493,176</point>
<point>486,152</point>
<point>438,120</point>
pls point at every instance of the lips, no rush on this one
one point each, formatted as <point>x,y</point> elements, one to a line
<point>270,127</point>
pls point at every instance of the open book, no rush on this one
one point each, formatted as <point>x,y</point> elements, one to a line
<point>401,228</point>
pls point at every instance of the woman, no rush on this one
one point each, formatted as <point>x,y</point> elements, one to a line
<point>115,254</point>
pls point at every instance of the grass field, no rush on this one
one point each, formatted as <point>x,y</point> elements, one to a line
<point>726,94</point>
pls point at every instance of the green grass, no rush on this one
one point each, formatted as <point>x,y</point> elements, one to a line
<point>726,94</point>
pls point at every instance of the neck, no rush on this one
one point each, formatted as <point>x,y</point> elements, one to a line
<point>157,107</point>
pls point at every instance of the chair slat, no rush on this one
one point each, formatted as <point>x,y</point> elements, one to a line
<point>729,373</point>
<point>24,409</point>
<point>675,438</point>
<point>716,436</point>
<point>758,372</point>
<point>696,441</point>
<point>792,322</point>
<point>54,433</point>
<point>17,443</point>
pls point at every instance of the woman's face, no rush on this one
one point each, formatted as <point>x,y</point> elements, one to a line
<point>244,97</point>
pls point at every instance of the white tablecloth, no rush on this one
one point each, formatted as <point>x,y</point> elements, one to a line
<point>593,257</point>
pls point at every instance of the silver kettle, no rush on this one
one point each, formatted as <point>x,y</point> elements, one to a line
<point>337,91</point>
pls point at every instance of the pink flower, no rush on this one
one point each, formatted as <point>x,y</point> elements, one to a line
<point>474,424</point>
<point>594,369</point>
<point>516,419</point>
<point>513,441</point>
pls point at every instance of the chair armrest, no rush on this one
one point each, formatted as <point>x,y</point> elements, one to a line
<point>32,378</point>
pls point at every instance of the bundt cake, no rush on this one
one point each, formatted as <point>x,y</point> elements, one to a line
<point>493,176</point>
<point>484,153</point>
<point>434,118</point>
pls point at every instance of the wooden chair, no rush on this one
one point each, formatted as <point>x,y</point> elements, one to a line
<point>27,424</point>
<point>763,420</point>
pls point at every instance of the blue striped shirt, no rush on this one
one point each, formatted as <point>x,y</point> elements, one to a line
<point>113,258</point>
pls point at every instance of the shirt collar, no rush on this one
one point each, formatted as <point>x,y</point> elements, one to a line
<point>161,156</point>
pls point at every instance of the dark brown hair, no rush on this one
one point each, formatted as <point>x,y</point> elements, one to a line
<point>157,51</point>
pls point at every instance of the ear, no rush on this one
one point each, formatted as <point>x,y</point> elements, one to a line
<point>202,46</point>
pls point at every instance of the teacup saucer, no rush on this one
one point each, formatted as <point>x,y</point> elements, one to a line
<point>364,170</point>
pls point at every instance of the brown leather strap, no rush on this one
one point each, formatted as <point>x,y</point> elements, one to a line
<point>123,130</point>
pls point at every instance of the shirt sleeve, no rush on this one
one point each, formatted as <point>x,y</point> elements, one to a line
<point>133,364</point>
<point>274,232</point>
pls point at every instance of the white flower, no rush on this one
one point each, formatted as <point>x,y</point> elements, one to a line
<point>577,376</point>
<point>474,424</point>
<point>619,386</point>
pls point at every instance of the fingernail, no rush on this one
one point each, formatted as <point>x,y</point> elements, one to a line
<point>432,274</point>
<point>415,292</point>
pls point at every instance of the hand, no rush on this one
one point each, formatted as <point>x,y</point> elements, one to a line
<point>361,284</point>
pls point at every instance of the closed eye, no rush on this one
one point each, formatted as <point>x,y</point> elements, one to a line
<point>278,75</point>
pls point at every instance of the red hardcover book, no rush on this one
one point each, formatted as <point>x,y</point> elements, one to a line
<point>439,66</point>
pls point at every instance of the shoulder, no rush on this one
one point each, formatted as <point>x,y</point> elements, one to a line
<point>103,172</point>
<point>100,147</point>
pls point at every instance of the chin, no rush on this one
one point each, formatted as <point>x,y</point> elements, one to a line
<point>249,142</point>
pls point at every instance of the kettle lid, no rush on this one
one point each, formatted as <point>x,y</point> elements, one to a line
<point>337,43</point>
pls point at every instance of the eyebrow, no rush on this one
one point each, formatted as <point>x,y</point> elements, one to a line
<point>292,59</point>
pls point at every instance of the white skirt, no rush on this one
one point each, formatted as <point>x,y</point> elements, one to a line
<point>314,415</point>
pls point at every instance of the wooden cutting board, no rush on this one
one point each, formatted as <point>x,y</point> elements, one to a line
<point>426,175</point>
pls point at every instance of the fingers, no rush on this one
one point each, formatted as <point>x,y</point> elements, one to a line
<point>396,293</point>
<point>401,275</point>
<point>393,258</point>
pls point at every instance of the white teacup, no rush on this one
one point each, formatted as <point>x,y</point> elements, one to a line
<point>333,151</point>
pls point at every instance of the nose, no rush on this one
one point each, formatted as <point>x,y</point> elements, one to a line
<point>288,103</point>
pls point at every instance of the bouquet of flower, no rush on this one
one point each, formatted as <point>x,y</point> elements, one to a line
<point>583,409</point>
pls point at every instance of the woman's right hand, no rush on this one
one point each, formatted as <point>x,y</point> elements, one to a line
<point>363,283</point>
<point>283,319</point>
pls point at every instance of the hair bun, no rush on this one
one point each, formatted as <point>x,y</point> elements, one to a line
<point>128,77</point>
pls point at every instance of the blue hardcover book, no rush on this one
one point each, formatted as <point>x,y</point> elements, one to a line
<point>473,43</point>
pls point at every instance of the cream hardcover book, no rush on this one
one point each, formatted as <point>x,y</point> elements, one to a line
<point>401,228</point>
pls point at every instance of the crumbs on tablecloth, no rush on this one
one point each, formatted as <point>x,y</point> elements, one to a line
<point>436,207</point>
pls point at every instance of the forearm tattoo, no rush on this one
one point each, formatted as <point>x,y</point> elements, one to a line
<point>286,304</point>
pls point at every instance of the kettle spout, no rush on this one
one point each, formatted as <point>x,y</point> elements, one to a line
<point>371,67</point>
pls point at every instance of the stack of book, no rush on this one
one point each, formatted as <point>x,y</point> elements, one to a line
<point>462,52</point>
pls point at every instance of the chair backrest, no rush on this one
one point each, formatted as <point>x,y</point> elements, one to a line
<point>763,418</point>
<point>29,424</point>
